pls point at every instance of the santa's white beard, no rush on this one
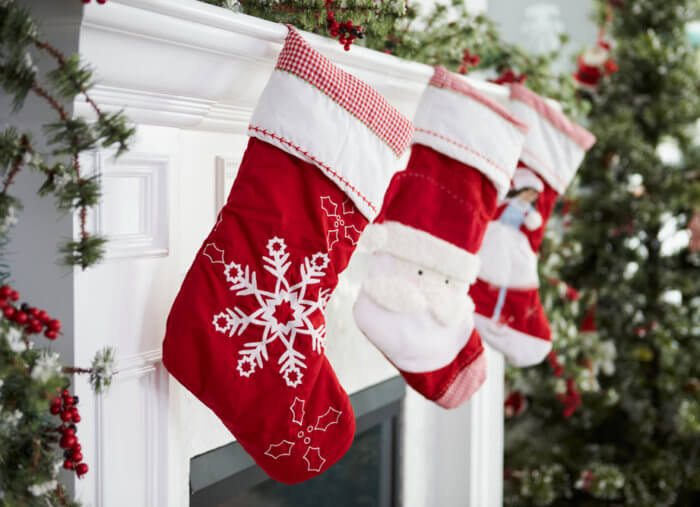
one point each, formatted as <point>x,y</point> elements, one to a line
<point>396,294</point>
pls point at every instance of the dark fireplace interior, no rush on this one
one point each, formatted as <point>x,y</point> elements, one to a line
<point>367,476</point>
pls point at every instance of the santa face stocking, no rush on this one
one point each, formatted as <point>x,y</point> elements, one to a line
<point>509,313</point>
<point>246,333</point>
<point>414,305</point>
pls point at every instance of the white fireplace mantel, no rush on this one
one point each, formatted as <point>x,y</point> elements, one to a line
<point>191,65</point>
<point>188,75</point>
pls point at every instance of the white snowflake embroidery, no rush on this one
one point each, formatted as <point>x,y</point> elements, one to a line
<point>283,313</point>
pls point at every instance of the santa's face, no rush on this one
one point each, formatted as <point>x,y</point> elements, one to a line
<point>528,195</point>
<point>418,317</point>
<point>406,287</point>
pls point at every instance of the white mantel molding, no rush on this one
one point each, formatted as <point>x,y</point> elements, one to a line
<point>187,64</point>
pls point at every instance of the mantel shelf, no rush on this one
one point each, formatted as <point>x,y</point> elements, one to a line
<point>187,64</point>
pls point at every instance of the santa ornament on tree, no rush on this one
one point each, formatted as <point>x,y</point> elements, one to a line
<point>413,305</point>
<point>509,313</point>
<point>246,333</point>
<point>593,64</point>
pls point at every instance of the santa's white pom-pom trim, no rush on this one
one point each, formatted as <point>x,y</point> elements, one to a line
<point>533,220</point>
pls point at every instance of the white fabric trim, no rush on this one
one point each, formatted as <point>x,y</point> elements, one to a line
<point>507,259</point>
<point>520,349</point>
<point>413,342</point>
<point>547,150</point>
<point>533,220</point>
<point>466,130</point>
<point>302,116</point>
<point>524,178</point>
<point>423,248</point>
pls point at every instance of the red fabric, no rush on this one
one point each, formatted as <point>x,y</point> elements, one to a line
<point>442,196</point>
<point>434,384</point>
<point>358,98</point>
<point>294,426</point>
<point>522,309</point>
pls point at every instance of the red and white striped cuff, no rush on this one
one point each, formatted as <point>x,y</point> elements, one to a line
<point>459,121</point>
<point>554,146</point>
<point>325,116</point>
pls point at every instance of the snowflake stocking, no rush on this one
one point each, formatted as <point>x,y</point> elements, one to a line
<point>246,333</point>
<point>414,305</point>
<point>509,314</point>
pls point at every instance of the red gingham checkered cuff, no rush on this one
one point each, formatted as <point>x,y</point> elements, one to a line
<point>357,98</point>
<point>443,78</point>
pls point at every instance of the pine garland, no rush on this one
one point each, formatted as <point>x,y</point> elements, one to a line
<point>38,416</point>
<point>66,138</point>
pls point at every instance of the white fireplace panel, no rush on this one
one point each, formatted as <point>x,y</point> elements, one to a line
<point>226,171</point>
<point>131,434</point>
<point>133,213</point>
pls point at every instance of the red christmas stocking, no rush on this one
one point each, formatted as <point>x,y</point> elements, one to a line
<point>414,305</point>
<point>509,313</point>
<point>246,333</point>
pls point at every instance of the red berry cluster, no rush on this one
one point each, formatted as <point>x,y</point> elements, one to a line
<point>586,480</point>
<point>515,404</point>
<point>65,406</point>
<point>98,1</point>
<point>345,31</point>
<point>468,60</point>
<point>555,364</point>
<point>508,76</point>
<point>569,292</point>
<point>33,319</point>
<point>571,399</point>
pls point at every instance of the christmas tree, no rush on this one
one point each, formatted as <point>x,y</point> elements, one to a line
<point>613,418</point>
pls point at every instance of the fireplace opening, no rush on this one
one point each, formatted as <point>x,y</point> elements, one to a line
<point>366,476</point>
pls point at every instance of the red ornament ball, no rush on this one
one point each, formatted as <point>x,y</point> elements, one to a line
<point>68,464</point>
<point>21,317</point>
<point>43,316</point>
<point>55,409</point>
<point>67,441</point>
<point>54,325</point>
<point>35,326</point>
<point>68,400</point>
<point>51,335</point>
<point>77,447</point>
<point>77,457</point>
<point>69,432</point>
<point>76,418</point>
<point>8,312</point>
<point>5,291</point>
<point>14,296</point>
<point>66,416</point>
<point>82,469</point>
